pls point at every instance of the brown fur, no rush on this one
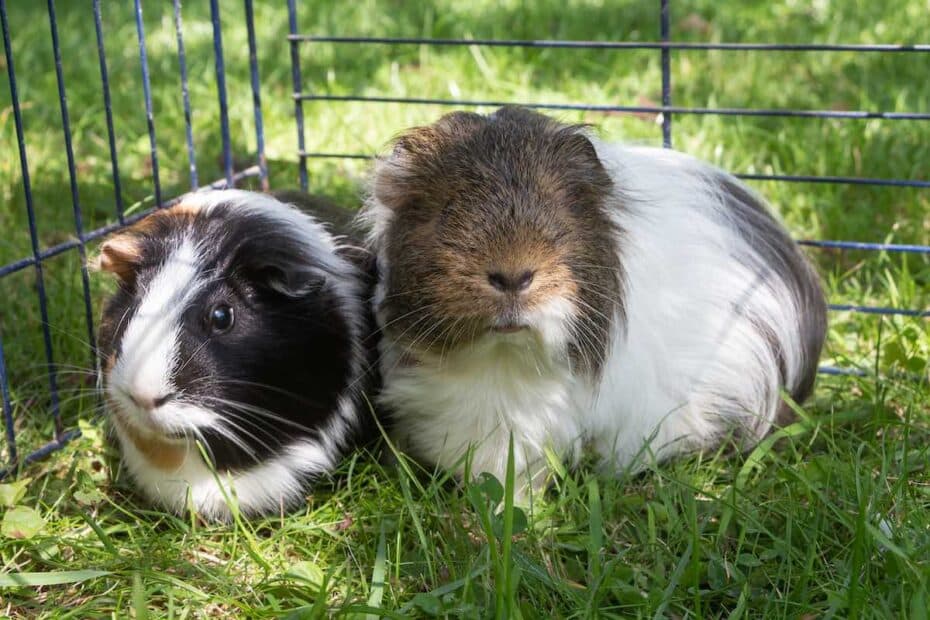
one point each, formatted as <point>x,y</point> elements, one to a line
<point>510,193</point>
<point>161,454</point>
<point>121,253</point>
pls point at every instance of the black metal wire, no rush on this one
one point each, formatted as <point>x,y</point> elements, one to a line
<point>298,102</point>
<point>108,111</point>
<point>72,177</point>
<point>56,444</point>
<point>221,89</point>
<point>615,45</point>
<point>147,95</point>
<point>793,178</point>
<point>256,96</point>
<point>632,109</point>
<point>836,180</point>
<point>185,94</point>
<point>859,245</point>
<point>7,404</point>
<point>664,32</point>
<point>31,217</point>
<point>879,310</point>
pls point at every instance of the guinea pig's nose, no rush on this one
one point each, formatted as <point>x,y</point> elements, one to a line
<point>150,403</point>
<point>510,282</point>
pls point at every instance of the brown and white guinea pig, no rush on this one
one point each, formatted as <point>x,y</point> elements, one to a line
<point>241,322</point>
<point>537,281</point>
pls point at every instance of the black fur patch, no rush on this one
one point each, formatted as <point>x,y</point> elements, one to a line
<point>782,255</point>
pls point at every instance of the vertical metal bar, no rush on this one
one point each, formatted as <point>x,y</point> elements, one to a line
<point>298,102</point>
<point>31,216</point>
<point>185,95</point>
<point>72,176</point>
<point>7,404</point>
<point>108,108</point>
<point>221,89</point>
<point>256,96</point>
<point>147,94</point>
<point>666,76</point>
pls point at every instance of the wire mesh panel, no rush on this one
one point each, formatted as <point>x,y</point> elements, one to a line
<point>665,46</point>
<point>147,191</point>
<point>121,162</point>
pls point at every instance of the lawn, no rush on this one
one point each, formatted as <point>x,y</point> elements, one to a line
<point>830,518</point>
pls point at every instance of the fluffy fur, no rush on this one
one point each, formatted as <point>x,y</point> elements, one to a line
<point>277,398</point>
<point>665,310</point>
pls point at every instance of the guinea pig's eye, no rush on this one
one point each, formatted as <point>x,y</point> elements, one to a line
<point>220,318</point>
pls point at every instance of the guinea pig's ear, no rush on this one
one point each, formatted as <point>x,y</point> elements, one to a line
<point>575,146</point>
<point>119,255</point>
<point>288,277</point>
<point>578,146</point>
<point>409,173</point>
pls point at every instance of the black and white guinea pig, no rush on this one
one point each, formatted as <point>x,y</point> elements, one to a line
<point>239,321</point>
<point>537,281</point>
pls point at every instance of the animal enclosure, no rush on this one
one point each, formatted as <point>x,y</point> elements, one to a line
<point>53,214</point>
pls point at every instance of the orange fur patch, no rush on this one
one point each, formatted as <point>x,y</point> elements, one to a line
<point>163,455</point>
<point>182,213</point>
<point>119,255</point>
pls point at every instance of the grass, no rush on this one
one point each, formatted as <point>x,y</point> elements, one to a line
<point>828,519</point>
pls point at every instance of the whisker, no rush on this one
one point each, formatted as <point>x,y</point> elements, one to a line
<point>259,411</point>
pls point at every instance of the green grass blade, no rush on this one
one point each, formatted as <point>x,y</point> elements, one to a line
<point>52,578</point>
<point>506,594</point>
<point>378,573</point>
<point>595,530</point>
<point>138,597</point>
<point>104,538</point>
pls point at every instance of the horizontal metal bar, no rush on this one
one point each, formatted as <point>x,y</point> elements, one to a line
<point>55,250</point>
<point>845,372</point>
<point>322,155</point>
<point>632,109</point>
<point>859,372</point>
<point>860,245</point>
<point>749,177</point>
<point>64,246</point>
<point>628,45</point>
<point>57,444</point>
<point>794,178</point>
<point>878,310</point>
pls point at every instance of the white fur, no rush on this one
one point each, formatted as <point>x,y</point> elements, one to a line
<point>260,489</point>
<point>150,339</point>
<point>473,397</point>
<point>691,335</point>
<point>148,354</point>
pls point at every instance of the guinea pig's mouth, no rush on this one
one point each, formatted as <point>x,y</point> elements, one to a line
<point>133,419</point>
<point>509,327</point>
<point>173,434</point>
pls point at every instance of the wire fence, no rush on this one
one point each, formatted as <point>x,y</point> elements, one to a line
<point>257,170</point>
<point>81,237</point>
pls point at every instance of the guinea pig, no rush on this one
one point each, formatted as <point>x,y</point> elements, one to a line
<point>240,324</point>
<point>536,281</point>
